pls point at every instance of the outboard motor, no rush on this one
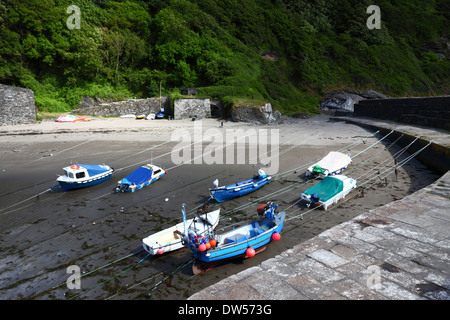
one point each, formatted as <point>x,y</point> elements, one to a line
<point>315,198</point>
<point>262,209</point>
<point>261,174</point>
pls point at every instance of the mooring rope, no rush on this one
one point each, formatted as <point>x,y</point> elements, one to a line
<point>109,279</point>
<point>403,162</point>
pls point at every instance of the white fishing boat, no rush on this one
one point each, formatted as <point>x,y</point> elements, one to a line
<point>81,175</point>
<point>329,191</point>
<point>334,163</point>
<point>170,239</point>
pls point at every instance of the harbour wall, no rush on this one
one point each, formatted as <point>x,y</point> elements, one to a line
<point>436,156</point>
<point>428,111</point>
<point>121,108</point>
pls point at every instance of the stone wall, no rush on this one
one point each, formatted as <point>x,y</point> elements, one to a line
<point>132,106</point>
<point>16,105</point>
<point>188,108</point>
<point>428,111</point>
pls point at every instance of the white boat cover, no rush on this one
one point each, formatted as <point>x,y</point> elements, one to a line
<point>332,164</point>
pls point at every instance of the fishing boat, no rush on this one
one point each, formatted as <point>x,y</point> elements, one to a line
<point>140,178</point>
<point>170,239</point>
<point>81,175</point>
<point>334,163</point>
<point>328,191</point>
<point>224,193</point>
<point>245,241</point>
<point>160,115</point>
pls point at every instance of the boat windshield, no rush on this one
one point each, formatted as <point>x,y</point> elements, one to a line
<point>80,175</point>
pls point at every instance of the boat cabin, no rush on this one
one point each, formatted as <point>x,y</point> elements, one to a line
<point>76,172</point>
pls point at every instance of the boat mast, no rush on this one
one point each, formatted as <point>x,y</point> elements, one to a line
<point>183,212</point>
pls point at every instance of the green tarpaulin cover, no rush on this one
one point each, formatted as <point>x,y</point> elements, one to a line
<point>318,169</point>
<point>327,188</point>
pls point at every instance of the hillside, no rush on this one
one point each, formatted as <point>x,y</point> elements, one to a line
<point>283,51</point>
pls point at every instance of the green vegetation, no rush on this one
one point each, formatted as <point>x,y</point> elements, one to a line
<point>287,52</point>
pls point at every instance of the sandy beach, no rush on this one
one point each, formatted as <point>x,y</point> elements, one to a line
<point>43,232</point>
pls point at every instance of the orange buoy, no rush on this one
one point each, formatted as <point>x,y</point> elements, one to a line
<point>213,242</point>
<point>202,247</point>
<point>160,251</point>
<point>207,245</point>
<point>250,252</point>
<point>276,236</point>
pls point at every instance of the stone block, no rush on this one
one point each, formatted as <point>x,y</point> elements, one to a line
<point>355,291</point>
<point>310,287</point>
<point>328,258</point>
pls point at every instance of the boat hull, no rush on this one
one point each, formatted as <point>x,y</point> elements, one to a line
<point>228,251</point>
<point>199,267</point>
<point>238,190</point>
<point>68,185</point>
<point>139,187</point>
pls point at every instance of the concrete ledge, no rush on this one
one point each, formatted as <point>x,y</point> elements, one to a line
<point>435,156</point>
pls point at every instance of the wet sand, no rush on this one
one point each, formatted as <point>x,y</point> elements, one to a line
<point>43,232</point>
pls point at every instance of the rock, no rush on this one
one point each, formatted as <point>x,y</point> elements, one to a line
<point>16,105</point>
<point>344,100</point>
<point>86,102</point>
<point>254,114</point>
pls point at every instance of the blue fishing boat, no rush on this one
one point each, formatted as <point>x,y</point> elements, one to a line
<point>210,250</point>
<point>239,189</point>
<point>82,175</point>
<point>140,178</point>
<point>160,115</point>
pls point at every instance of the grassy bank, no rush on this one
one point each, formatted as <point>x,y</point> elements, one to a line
<point>285,52</point>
